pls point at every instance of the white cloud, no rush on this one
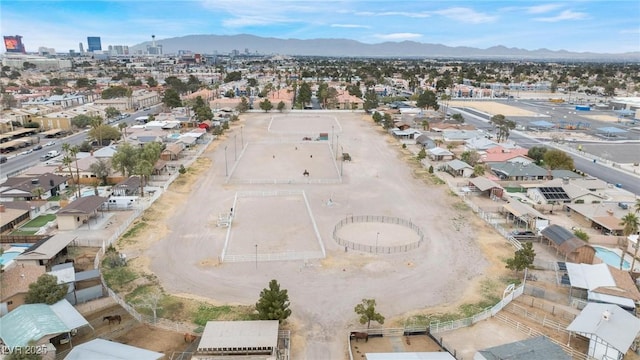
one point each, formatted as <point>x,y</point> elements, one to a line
<point>255,12</point>
<point>467,15</point>
<point>398,36</point>
<point>541,9</point>
<point>565,15</point>
<point>350,26</point>
<point>419,15</point>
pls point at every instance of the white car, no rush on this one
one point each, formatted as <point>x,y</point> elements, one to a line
<point>50,143</point>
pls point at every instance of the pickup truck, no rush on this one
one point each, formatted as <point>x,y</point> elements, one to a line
<point>49,155</point>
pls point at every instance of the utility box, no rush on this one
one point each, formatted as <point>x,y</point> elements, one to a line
<point>323,136</point>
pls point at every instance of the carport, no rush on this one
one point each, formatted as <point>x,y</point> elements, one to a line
<point>610,131</point>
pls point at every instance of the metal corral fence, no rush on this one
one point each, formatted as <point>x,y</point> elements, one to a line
<point>286,181</point>
<point>377,219</point>
<point>282,256</point>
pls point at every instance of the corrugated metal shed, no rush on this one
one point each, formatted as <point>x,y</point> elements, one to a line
<point>239,334</point>
<point>530,349</point>
<point>100,349</point>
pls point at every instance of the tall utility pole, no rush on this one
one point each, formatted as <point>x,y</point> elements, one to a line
<point>226,168</point>
<point>256,256</point>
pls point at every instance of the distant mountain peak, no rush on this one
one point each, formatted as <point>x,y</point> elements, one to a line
<point>224,44</point>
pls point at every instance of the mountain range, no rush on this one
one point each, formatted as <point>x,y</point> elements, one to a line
<point>225,44</point>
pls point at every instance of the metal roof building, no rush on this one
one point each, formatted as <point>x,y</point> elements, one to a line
<point>36,321</point>
<point>258,339</point>
<point>100,349</point>
<point>609,328</point>
<point>530,349</point>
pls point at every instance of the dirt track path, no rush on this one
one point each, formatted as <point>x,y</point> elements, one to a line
<point>323,293</point>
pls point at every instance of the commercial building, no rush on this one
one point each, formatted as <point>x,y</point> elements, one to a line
<point>94,44</point>
<point>13,44</point>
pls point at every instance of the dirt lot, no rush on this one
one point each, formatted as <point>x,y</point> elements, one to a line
<point>493,108</point>
<point>445,271</point>
<point>128,331</point>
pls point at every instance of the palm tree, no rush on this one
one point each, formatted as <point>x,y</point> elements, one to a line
<point>636,207</point>
<point>123,127</point>
<point>71,153</point>
<point>631,225</point>
<point>38,192</point>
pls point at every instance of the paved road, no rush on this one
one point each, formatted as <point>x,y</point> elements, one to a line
<point>17,163</point>
<point>606,173</point>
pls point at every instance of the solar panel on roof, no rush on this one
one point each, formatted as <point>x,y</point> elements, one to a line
<point>562,266</point>
<point>554,193</point>
<point>565,280</point>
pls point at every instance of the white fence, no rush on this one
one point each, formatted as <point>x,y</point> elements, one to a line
<point>281,256</point>
<point>437,326</point>
<point>286,181</point>
<point>373,248</point>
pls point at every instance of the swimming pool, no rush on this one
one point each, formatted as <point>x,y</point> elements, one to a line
<point>611,258</point>
<point>8,256</point>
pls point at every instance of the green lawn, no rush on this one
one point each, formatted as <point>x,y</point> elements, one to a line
<point>40,221</point>
<point>22,232</point>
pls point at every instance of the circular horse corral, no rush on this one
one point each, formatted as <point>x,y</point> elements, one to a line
<point>377,234</point>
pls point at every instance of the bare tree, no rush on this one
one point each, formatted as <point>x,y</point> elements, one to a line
<point>151,301</point>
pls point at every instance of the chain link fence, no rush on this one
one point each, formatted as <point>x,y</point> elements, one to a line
<point>373,248</point>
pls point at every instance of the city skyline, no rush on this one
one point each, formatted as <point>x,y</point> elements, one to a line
<point>577,26</point>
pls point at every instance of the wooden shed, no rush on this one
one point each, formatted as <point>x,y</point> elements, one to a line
<point>566,243</point>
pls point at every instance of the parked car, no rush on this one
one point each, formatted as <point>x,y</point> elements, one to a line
<point>37,147</point>
<point>50,143</point>
<point>3,159</point>
<point>624,206</point>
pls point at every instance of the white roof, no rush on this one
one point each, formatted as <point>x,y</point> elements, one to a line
<point>100,349</point>
<point>610,299</point>
<point>410,356</point>
<point>619,331</point>
<point>68,314</point>
<point>590,277</point>
<point>440,151</point>
<point>239,334</point>
<point>64,272</point>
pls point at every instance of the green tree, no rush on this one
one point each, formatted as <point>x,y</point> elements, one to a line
<point>123,129</point>
<point>101,170</point>
<point>536,153</point>
<point>266,105</point>
<point>523,258</point>
<point>176,84</point>
<point>151,81</point>
<point>422,154</point>
<point>370,100</point>
<point>82,82</point>
<point>479,170</point>
<point>112,112</point>
<point>558,159</point>
<point>37,192</point>
<point>425,125</point>
<point>104,134</point>
<point>8,101</point>
<point>46,290</point>
<point>471,157</point>
<point>145,160</point>
<point>636,207</point>
<point>631,225</point>
<point>281,106</point>
<point>116,92</point>
<point>387,121</point>
<point>582,235</point>
<point>124,159</point>
<point>458,118</point>
<point>71,156</point>
<point>230,94</point>
<point>171,98</point>
<point>503,125</point>
<point>233,76</point>
<point>427,99</point>
<point>243,106</point>
<point>367,312</point>
<point>273,303</point>
<point>304,94</point>
<point>377,117</point>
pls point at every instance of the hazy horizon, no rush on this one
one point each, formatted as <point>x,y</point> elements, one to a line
<point>576,26</point>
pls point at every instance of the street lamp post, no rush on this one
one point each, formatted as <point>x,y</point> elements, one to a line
<point>226,168</point>
<point>377,236</point>
<point>235,143</point>
<point>337,142</point>
<point>332,136</point>
<point>256,256</point>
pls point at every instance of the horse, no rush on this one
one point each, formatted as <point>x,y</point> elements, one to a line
<point>113,318</point>
<point>359,335</point>
<point>305,173</point>
<point>189,338</point>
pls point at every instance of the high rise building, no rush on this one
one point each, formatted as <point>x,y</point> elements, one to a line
<point>14,44</point>
<point>93,43</point>
<point>81,48</point>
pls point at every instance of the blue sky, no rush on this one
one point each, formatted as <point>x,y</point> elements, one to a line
<point>611,26</point>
